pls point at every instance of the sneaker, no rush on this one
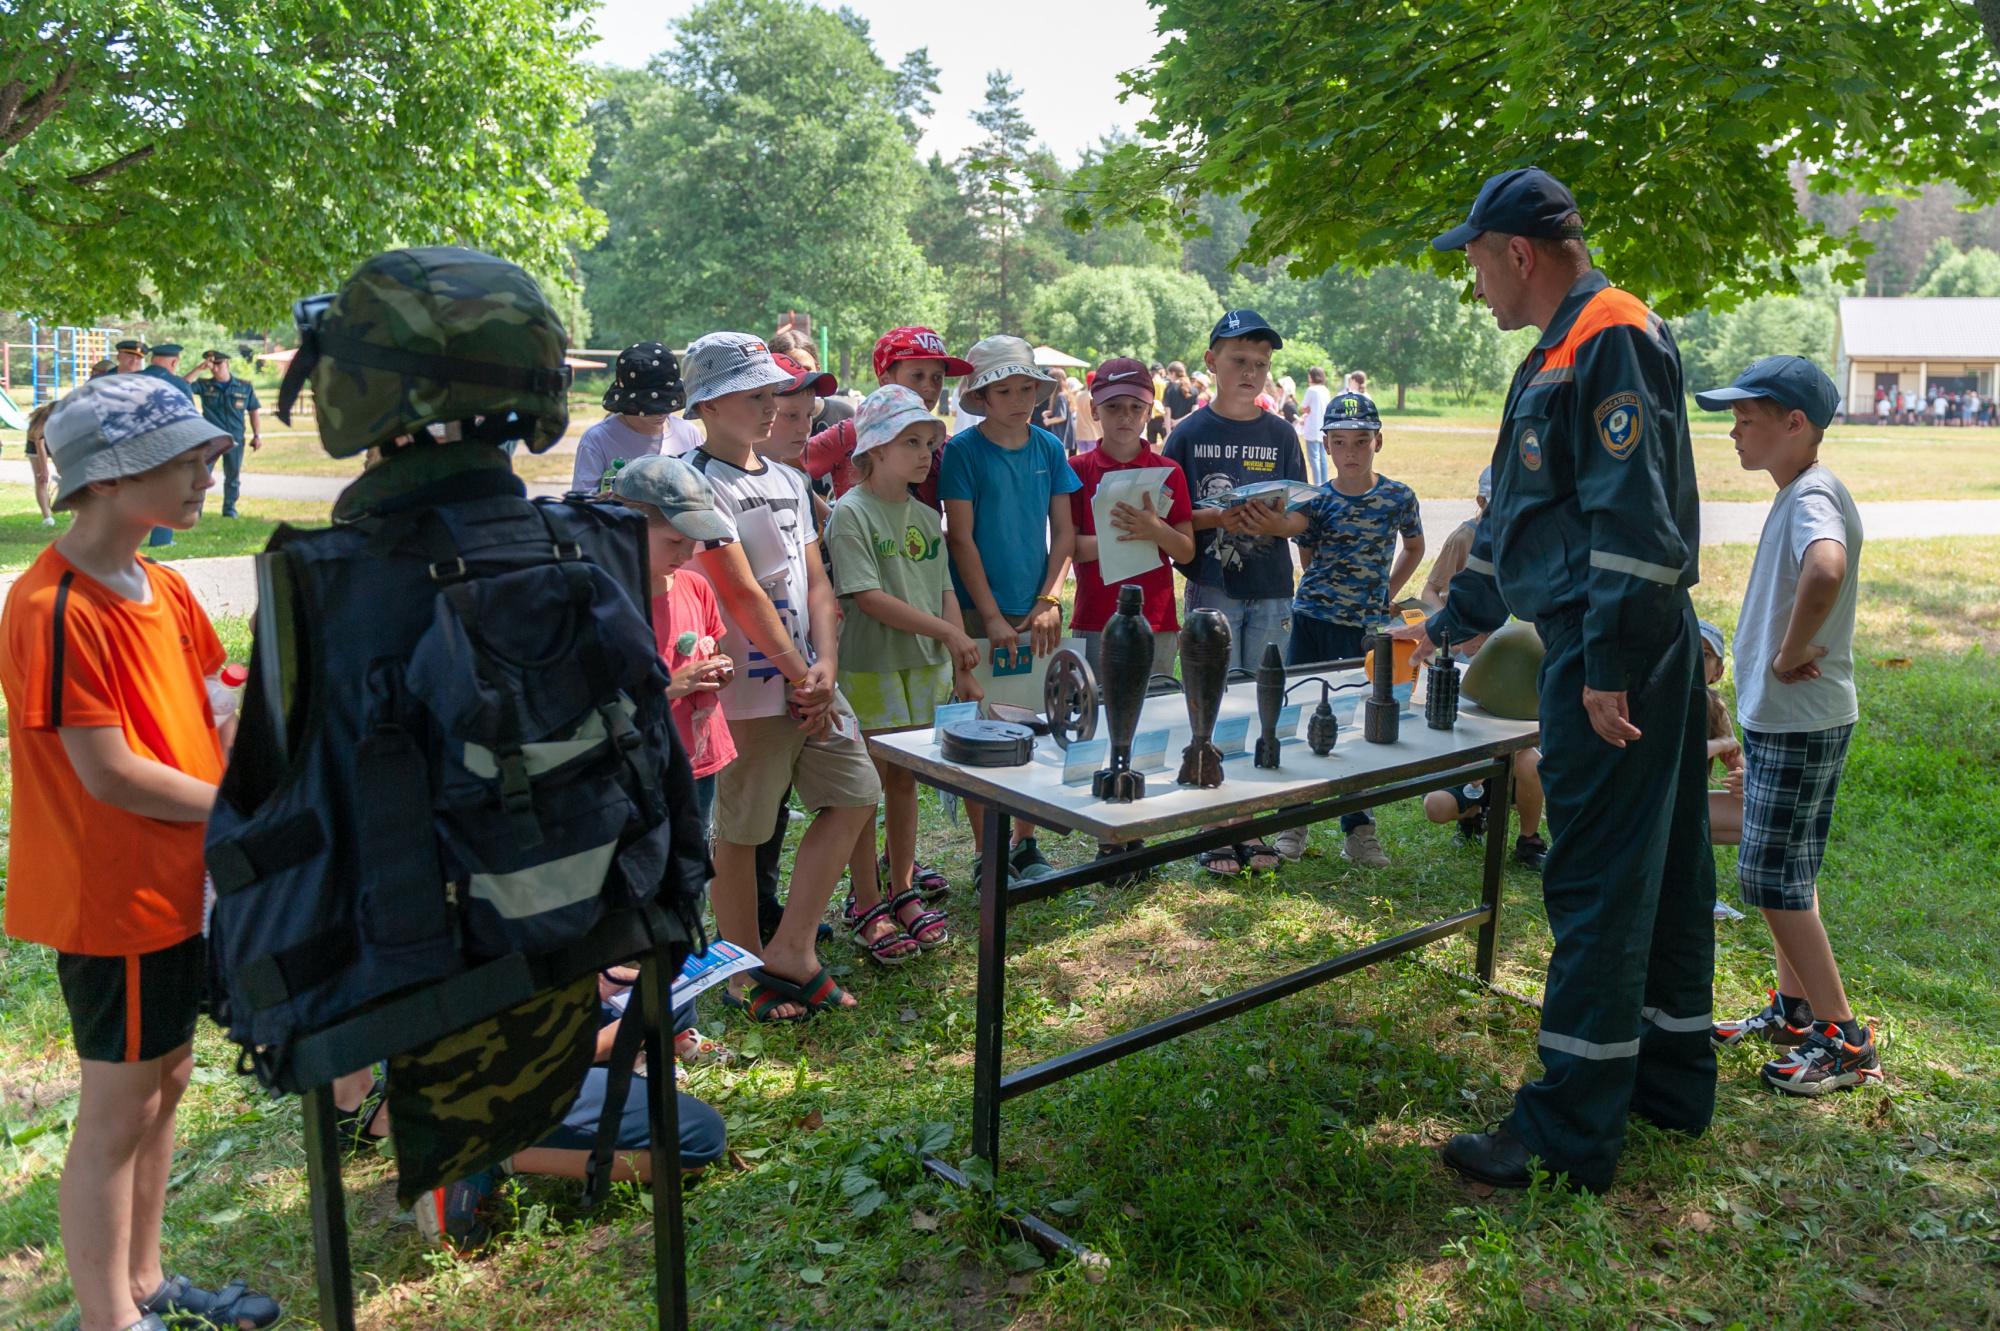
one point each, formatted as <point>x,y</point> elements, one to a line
<point>1770,1024</point>
<point>1290,843</point>
<point>449,1216</point>
<point>1824,1062</point>
<point>1028,862</point>
<point>1532,851</point>
<point>1473,826</point>
<point>48,522</point>
<point>1364,849</point>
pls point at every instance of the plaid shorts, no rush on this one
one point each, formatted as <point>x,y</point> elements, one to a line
<point>1789,781</point>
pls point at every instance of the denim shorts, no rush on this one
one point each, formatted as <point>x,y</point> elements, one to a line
<point>1789,781</point>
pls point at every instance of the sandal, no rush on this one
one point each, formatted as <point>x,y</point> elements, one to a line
<point>925,920</point>
<point>890,948</point>
<point>232,1308</point>
<point>352,1125</point>
<point>768,991</point>
<point>934,885</point>
<point>1252,851</point>
<point>1220,855</point>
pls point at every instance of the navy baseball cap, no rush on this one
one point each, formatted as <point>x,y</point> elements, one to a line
<point>1527,201</point>
<point>1242,323</point>
<point>1351,411</point>
<point>1792,382</point>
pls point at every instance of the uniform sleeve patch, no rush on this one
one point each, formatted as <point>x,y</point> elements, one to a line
<point>1619,424</point>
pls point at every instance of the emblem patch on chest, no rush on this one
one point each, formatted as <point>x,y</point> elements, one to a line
<point>1531,450</point>
<point>1619,424</point>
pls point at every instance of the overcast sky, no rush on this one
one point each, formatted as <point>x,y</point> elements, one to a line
<point>1065,56</point>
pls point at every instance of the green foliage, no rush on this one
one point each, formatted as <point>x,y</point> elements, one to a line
<point>1717,345</point>
<point>1151,313</point>
<point>761,166</point>
<point>1356,132</point>
<point>176,154</point>
<point>1975,272</point>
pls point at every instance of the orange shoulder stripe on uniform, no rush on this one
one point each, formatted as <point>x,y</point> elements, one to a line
<point>1609,308</point>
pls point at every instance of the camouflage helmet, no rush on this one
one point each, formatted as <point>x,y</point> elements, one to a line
<point>431,336</point>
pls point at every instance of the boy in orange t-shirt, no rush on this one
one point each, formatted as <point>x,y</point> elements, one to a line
<point>103,659</point>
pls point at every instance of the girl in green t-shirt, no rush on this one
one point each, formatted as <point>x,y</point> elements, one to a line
<point>903,649</point>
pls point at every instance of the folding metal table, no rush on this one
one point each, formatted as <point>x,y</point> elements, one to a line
<point>1304,788</point>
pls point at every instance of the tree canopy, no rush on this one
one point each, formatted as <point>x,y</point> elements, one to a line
<point>1355,132</point>
<point>761,166</point>
<point>185,153</point>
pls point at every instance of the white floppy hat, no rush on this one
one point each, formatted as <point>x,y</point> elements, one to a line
<point>1002,357</point>
<point>886,413</point>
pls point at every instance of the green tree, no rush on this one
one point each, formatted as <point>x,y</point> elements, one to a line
<point>1355,131</point>
<point>766,168</point>
<point>1975,272</point>
<point>1002,178</point>
<point>178,154</point>
<point>1150,313</point>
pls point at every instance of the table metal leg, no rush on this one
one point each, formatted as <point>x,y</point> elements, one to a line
<point>991,1003</point>
<point>331,1268</point>
<point>664,1119</point>
<point>1501,784</point>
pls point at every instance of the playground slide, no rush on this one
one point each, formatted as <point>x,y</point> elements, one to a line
<point>11,414</point>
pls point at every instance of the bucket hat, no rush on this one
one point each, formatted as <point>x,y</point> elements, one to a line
<point>886,413</point>
<point>121,425</point>
<point>720,363</point>
<point>646,382</point>
<point>1001,357</point>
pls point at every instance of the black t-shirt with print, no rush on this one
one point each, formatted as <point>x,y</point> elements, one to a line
<point>1217,454</point>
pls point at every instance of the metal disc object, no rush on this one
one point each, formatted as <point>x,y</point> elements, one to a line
<point>987,743</point>
<point>1069,697</point>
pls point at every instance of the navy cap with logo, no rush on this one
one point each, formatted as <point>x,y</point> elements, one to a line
<point>1527,201</point>
<point>1791,381</point>
<point>1245,323</point>
<point>1351,411</point>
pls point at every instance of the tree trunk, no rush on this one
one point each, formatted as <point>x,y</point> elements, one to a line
<point>1989,17</point>
<point>1399,383</point>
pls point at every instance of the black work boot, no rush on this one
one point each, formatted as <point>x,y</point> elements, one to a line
<point>1495,1157</point>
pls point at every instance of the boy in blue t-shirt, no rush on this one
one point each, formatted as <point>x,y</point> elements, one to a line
<point>1007,522</point>
<point>1348,538</point>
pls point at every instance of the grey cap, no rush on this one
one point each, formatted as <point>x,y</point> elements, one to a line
<point>120,425</point>
<point>720,363</point>
<point>680,493</point>
<point>1712,635</point>
<point>1486,482</point>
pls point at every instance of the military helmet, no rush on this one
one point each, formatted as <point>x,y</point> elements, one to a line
<point>431,336</point>
<point>1504,676</point>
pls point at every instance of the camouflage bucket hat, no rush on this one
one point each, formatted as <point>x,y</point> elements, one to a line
<point>431,336</point>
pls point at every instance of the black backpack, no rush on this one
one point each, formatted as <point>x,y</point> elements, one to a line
<point>457,788</point>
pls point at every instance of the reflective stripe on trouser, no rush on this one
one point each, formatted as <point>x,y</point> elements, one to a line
<point>1630,890</point>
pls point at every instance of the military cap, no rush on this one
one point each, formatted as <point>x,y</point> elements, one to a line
<point>167,349</point>
<point>131,344</point>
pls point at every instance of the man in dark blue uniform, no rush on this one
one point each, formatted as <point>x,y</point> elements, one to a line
<point>165,364</point>
<point>226,400</point>
<point>1592,534</point>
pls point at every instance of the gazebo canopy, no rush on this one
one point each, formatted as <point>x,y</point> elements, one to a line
<point>1050,356</point>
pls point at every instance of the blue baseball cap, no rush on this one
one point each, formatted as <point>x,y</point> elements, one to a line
<point>1791,381</point>
<point>1243,323</point>
<point>680,493</point>
<point>1527,201</point>
<point>1351,411</point>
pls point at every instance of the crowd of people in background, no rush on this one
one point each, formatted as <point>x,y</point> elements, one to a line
<point>1935,405</point>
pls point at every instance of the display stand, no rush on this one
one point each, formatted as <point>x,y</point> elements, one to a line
<point>1304,788</point>
<point>332,1271</point>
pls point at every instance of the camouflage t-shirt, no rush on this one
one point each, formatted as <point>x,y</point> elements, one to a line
<point>1353,543</point>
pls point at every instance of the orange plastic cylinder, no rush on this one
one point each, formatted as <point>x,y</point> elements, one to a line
<point>1405,671</point>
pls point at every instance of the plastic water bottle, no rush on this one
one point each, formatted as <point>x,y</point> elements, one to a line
<point>222,690</point>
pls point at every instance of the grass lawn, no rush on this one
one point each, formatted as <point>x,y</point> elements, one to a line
<point>1276,1171</point>
<point>22,534</point>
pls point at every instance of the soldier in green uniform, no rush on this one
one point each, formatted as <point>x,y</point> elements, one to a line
<point>165,364</point>
<point>225,400</point>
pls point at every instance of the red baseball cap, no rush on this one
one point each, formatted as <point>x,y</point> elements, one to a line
<point>803,380</point>
<point>916,343</point>
<point>1121,376</point>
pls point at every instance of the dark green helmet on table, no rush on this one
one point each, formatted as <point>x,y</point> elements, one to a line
<point>431,336</point>
<point>1504,676</point>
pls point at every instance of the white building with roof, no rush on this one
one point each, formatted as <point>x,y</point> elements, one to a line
<point>1916,343</point>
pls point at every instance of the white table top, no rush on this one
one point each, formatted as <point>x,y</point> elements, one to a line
<point>1035,789</point>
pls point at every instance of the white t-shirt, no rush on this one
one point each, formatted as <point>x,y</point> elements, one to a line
<point>1814,507</point>
<point>759,688</point>
<point>1312,411</point>
<point>611,439</point>
<point>1885,406</point>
